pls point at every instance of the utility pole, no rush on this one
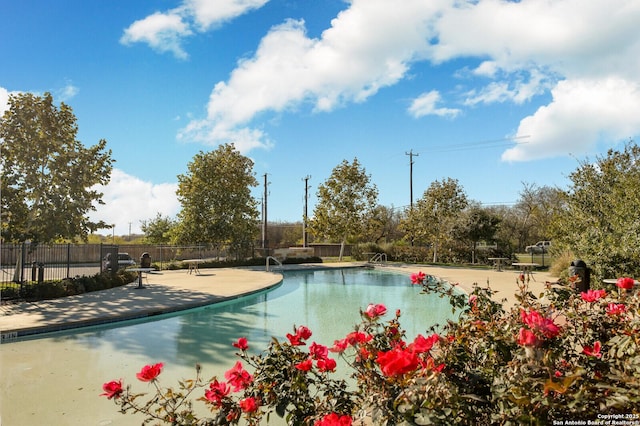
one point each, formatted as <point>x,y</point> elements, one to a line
<point>265,239</point>
<point>411,155</point>
<point>304,219</point>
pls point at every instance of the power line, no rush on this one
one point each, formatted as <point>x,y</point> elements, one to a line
<point>492,143</point>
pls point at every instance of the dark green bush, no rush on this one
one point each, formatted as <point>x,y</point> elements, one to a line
<point>68,287</point>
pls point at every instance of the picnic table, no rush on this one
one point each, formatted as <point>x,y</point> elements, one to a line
<point>497,262</point>
<point>614,281</point>
<point>194,265</point>
<point>526,268</point>
<point>140,271</point>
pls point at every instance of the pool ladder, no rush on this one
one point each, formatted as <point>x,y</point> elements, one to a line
<point>275,260</point>
<point>378,258</point>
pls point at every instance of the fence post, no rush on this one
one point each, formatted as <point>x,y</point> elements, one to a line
<point>68,258</point>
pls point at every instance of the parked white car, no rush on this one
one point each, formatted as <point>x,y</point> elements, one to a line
<point>124,260</point>
<point>539,247</point>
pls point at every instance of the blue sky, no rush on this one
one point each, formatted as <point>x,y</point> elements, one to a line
<point>492,93</point>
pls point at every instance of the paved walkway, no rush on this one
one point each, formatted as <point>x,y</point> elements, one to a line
<point>163,292</point>
<point>170,291</point>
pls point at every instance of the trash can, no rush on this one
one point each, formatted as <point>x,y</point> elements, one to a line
<point>579,268</point>
<point>145,260</point>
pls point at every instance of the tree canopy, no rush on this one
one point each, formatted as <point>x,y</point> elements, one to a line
<point>432,218</point>
<point>49,178</point>
<point>600,216</point>
<point>157,230</point>
<point>346,201</point>
<point>217,205</point>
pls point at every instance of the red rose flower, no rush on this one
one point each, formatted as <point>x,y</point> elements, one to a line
<point>616,309</point>
<point>248,405</point>
<point>217,391</point>
<point>304,365</point>
<point>112,389</point>
<point>418,278</point>
<point>540,324</point>
<point>339,346</point>
<point>326,364</point>
<point>303,332</point>
<point>593,295</point>
<point>375,310</point>
<point>295,340</point>
<point>527,338</point>
<point>593,350</point>
<point>149,372</point>
<point>625,283</point>
<point>334,419</point>
<point>423,344</point>
<point>318,351</point>
<point>238,377</point>
<point>241,344</point>
<point>397,361</point>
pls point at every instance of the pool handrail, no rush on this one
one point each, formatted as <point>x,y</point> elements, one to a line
<point>275,260</point>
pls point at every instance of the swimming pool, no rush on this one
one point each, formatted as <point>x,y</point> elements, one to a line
<point>60,376</point>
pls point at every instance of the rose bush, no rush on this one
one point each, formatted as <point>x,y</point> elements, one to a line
<point>557,356</point>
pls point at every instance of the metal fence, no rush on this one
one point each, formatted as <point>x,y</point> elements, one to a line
<point>28,263</point>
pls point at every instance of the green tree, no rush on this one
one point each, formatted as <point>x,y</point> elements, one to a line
<point>158,229</point>
<point>345,203</point>
<point>432,219</point>
<point>383,225</point>
<point>217,206</point>
<point>48,177</point>
<point>536,211</point>
<point>600,217</point>
<point>477,224</point>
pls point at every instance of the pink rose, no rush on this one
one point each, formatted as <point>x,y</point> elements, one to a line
<point>318,351</point>
<point>374,311</point>
<point>616,309</point>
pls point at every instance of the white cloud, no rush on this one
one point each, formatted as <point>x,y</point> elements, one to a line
<point>524,48</point>
<point>162,31</point>
<point>166,31</point>
<point>514,88</point>
<point>425,104</point>
<point>583,112</point>
<point>130,200</point>
<point>67,92</point>
<point>207,13</point>
<point>363,51</point>
<point>4,99</point>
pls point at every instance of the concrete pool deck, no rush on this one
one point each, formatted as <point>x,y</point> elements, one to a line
<point>171,291</point>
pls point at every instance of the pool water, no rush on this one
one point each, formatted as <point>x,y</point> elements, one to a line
<point>60,376</point>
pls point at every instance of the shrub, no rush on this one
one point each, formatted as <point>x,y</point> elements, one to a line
<point>550,359</point>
